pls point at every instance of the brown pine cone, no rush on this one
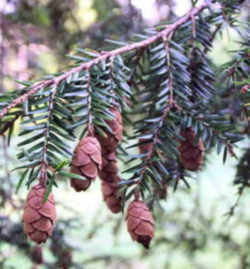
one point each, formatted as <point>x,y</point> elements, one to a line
<point>37,255</point>
<point>112,196</point>
<point>191,156</point>
<point>39,217</point>
<point>87,160</point>
<point>140,223</point>
<point>109,170</point>
<point>111,140</point>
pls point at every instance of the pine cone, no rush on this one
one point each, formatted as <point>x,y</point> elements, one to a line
<point>109,170</point>
<point>37,255</point>
<point>191,156</point>
<point>111,196</point>
<point>140,223</point>
<point>39,217</point>
<point>111,140</point>
<point>86,161</point>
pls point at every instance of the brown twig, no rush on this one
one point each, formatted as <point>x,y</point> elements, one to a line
<point>86,66</point>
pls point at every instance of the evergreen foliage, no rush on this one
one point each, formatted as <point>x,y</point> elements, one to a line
<point>162,82</point>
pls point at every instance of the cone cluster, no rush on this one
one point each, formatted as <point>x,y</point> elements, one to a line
<point>39,217</point>
<point>109,172</point>
<point>191,155</point>
<point>92,156</point>
<point>86,162</point>
<point>140,223</point>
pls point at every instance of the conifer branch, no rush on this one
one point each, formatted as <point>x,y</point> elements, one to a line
<point>169,105</point>
<point>44,161</point>
<point>105,55</point>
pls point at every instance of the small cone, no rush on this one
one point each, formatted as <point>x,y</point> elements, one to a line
<point>87,160</point>
<point>37,255</point>
<point>110,179</point>
<point>109,170</point>
<point>111,140</point>
<point>111,196</point>
<point>140,223</point>
<point>191,156</point>
<point>39,217</point>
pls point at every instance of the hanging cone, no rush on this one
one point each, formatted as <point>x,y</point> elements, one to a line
<point>191,156</point>
<point>109,170</point>
<point>87,160</point>
<point>140,223</point>
<point>112,196</point>
<point>109,144</point>
<point>110,178</point>
<point>37,255</point>
<point>111,140</point>
<point>39,217</point>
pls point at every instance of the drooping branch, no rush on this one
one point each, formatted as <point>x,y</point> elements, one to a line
<point>105,55</point>
<point>44,161</point>
<point>168,106</point>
